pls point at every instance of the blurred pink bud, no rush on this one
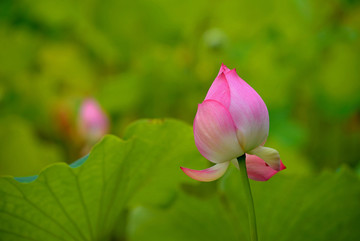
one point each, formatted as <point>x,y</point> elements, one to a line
<point>93,122</point>
<point>231,121</point>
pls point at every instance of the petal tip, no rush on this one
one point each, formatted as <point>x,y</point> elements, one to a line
<point>223,69</point>
<point>282,166</point>
<point>232,72</point>
<point>223,66</point>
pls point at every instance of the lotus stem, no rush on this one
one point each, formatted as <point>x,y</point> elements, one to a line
<point>249,198</point>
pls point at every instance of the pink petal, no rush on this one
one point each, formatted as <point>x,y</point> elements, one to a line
<point>219,91</point>
<point>258,169</point>
<point>248,111</point>
<point>223,69</point>
<point>269,155</point>
<point>215,133</point>
<point>93,120</point>
<point>209,174</point>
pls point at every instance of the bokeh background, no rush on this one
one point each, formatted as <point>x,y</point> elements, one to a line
<point>157,59</point>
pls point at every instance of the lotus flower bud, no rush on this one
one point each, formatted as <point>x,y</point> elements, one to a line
<point>231,121</point>
<point>93,122</point>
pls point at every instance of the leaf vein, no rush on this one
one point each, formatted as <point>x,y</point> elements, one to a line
<point>18,235</point>
<point>39,209</point>
<point>84,206</point>
<point>32,223</point>
<point>63,209</point>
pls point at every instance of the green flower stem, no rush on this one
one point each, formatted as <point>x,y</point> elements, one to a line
<point>249,199</point>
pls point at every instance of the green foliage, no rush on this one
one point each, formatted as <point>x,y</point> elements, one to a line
<point>315,208</point>
<point>303,207</point>
<point>84,202</point>
<point>190,218</point>
<point>135,190</point>
<point>18,137</point>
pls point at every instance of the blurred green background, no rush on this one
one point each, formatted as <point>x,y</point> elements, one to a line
<point>157,58</point>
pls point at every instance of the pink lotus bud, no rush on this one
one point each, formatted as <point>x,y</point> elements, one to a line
<point>231,121</point>
<point>93,122</point>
